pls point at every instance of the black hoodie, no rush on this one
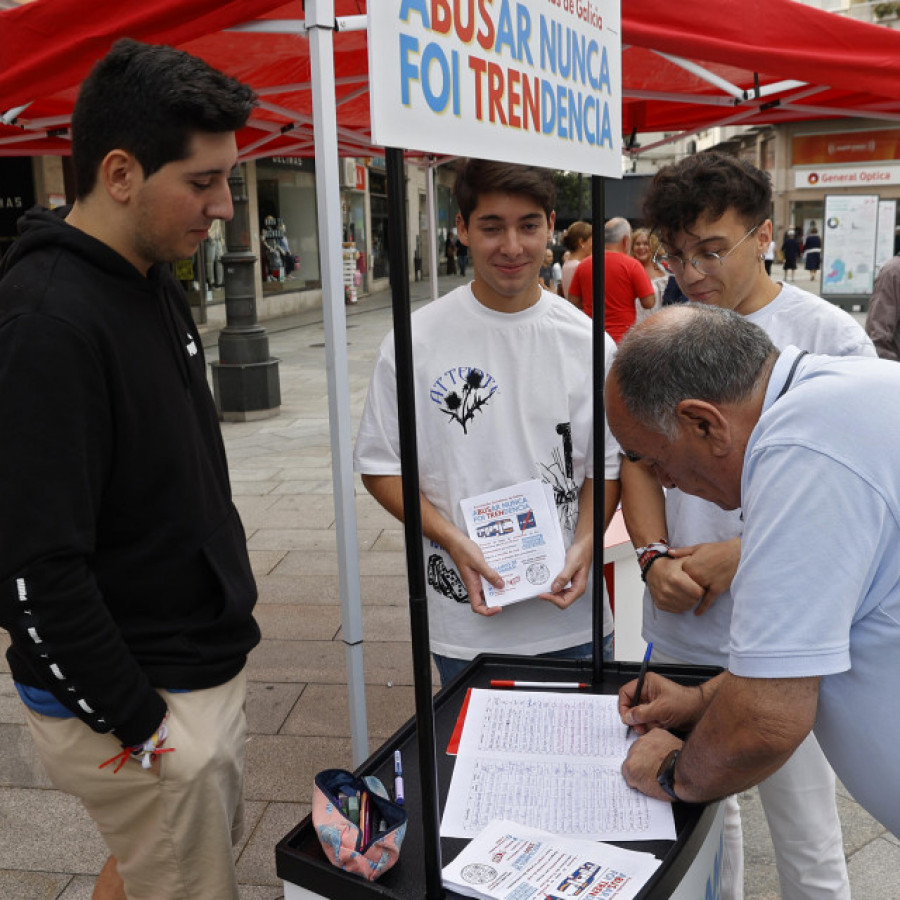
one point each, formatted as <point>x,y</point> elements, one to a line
<point>123,562</point>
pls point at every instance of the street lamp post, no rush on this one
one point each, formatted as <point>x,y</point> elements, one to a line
<point>245,378</point>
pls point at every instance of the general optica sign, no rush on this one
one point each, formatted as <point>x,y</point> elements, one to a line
<point>530,81</point>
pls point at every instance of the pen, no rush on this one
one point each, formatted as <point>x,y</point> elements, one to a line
<point>364,817</point>
<point>567,685</point>
<point>399,796</point>
<point>640,682</point>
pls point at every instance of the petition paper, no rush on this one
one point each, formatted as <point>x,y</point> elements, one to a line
<point>550,761</point>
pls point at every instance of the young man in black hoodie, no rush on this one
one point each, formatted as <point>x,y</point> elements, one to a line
<point>125,583</point>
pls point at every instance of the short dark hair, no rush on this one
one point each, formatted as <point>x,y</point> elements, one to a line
<point>706,183</point>
<point>149,100</point>
<point>483,176</point>
<point>692,351</point>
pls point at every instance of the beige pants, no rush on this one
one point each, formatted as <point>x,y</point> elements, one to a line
<point>171,834</point>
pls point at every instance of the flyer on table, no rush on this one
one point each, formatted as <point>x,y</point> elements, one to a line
<point>518,531</point>
<point>508,861</point>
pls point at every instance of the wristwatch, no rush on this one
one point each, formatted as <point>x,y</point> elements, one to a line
<point>666,774</point>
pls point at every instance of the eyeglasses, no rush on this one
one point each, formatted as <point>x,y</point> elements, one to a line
<point>705,263</point>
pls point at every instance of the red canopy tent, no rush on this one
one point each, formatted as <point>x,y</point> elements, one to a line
<point>679,74</point>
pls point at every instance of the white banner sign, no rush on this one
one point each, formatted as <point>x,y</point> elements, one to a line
<point>851,226</point>
<point>847,176</point>
<point>528,81</point>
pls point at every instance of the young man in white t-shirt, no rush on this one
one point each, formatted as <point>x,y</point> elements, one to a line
<point>711,213</point>
<point>503,392</point>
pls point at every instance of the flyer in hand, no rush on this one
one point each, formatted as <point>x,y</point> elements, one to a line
<point>508,861</point>
<point>518,530</point>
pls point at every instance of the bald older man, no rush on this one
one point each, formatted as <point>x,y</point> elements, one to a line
<point>626,281</point>
<point>703,398</point>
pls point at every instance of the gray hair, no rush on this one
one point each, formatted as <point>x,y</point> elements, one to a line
<point>615,230</point>
<point>690,351</point>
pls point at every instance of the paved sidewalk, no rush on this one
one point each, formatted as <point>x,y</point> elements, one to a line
<point>281,474</point>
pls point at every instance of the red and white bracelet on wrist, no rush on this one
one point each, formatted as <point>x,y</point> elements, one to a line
<point>648,555</point>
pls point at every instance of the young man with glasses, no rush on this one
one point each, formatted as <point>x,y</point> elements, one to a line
<point>712,215</point>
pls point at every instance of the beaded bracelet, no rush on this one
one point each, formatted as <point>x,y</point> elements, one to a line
<point>655,555</point>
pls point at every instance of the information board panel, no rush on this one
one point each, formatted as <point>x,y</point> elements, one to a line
<point>528,81</point>
<point>848,253</point>
<point>887,217</point>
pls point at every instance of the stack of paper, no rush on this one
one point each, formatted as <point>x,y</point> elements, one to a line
<point>551,761</point>
<point>518,531</point>
<point>508,861</point>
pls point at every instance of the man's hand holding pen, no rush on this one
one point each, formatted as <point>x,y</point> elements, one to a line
<point>661,705</point>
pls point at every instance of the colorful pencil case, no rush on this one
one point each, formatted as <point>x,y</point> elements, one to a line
<point>368,846</point>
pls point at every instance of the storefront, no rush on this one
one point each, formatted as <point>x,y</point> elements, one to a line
<point>288,224</point>
<point>820,160</point>
<point>354,179</point>
<point>379,213</point>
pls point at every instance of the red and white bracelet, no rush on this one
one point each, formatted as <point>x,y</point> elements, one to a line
<point>648,555</point>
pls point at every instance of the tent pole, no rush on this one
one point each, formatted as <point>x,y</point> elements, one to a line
<point>598,212</point>
<point>412,519</point>
<point>320,21</point>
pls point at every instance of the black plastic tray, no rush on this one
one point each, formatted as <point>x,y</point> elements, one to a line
<point>299,858</point>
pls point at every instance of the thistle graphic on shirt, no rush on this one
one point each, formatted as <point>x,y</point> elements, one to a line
<point>462,393</point>
<point>560,475</point>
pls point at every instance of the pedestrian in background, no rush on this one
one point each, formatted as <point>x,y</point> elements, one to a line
<point>883,316</point>
<point>790,249</point>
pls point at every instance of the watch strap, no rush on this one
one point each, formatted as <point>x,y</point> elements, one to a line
<point>666,774</point>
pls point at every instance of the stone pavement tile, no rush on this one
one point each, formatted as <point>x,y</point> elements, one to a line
<point>282,767</point>
<point>324,589</point>
<point>299,561</point>
<point>12,710</point>
<point>254,509</point>
<point>323,710</point>
<point>262,562</point>
<point>298,662</point>
<point>390,540</point>
<point>315,484</point>
<point>253,488</point>
<point>874,871</point>
<point>253,811</point>
<point>367,506</point>
<point>292,511</point>
<point>269,704</point>
<point>241,475</point>
<point>300,589</point>
<point>385,590</point>
<point>81,887</point>
<point>386,623</point>
<point>48,831</point>
<point>308,539</point>
<point>19,764</point>
<point>290,622</point>
<point>4,646</point>
<point>323,662</point>
<point>256,864</point>
<point>859,829</point>
<point>33,885</point>
<point>260,892</point>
